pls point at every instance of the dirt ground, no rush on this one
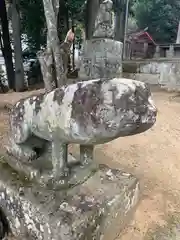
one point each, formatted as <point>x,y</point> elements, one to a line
<point>153,157</point>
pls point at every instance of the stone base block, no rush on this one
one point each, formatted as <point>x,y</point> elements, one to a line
<point>40,171</point>
<point>101,58</point>
<point>96,209</point>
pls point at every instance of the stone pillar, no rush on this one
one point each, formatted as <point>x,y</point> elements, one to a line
<point>178,35</point>
<point>145,49</point>
<point>157,52</point>
<point>102,55</point>
<point>170,52</point>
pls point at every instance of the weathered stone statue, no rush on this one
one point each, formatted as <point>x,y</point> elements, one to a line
<point>76,202</point>
<point>51,195</point>
<point>104,24</point>
<point>86,113</point>
<point>102,55</point>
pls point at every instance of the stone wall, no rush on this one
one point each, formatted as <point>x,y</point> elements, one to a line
<point>164,72</point>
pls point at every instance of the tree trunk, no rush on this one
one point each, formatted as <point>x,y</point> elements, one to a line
<point>59,51</point>
<point>56,7</point>
<point>46,62</point>
<point>51,21</point>
<point>178,35</point>
<point>48,67</point>
<point>120,26</point>
<point>73,50</point>
<point>63,20</point>
<point>120,14</point>
<point>19,70</point>
<point>7,51</point>
<point>92,8</point>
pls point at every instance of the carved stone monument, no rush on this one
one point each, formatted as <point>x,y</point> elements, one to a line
<point>104,24</point>
<point>81,201</point>
<point>102,55</point>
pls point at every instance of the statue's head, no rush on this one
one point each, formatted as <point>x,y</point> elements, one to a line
<point>105,109</point>
<point>107,5</point>
<point>134,106</point>
<point>146,112</point>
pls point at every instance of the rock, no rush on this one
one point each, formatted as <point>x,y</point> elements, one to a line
<point>97,209</point>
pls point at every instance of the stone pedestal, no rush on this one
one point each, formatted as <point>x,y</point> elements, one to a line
<point>170,52</point>
<point>101,58</point>
<point>157,52</point>
<point>96,209</point>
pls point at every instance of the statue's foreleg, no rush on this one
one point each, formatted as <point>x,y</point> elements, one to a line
<point>59,160</point>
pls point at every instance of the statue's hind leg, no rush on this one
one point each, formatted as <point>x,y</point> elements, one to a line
<point>22,152</point>
<point>18,146</point>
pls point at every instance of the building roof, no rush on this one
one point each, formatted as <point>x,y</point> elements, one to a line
<point>141,34</point>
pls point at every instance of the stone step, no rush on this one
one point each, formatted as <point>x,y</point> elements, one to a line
<point>97,209</point>
<point>152,79</point>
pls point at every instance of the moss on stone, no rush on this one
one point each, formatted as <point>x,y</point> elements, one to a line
<point>130,67</point>
<point>17,178</point>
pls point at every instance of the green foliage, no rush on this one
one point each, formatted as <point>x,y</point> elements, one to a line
<point>75,6</point>
<point>33,22</point>
<point>132,24</point>
<point>78,33</point>
<point>160,16</point>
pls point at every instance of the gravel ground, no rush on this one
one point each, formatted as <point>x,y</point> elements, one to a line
<point>153,156</point>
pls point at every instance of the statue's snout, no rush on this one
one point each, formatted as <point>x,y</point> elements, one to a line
<point>147,119</point>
